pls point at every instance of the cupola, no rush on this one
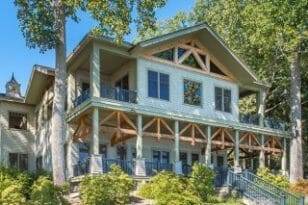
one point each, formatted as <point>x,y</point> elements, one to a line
<point>13,88</point>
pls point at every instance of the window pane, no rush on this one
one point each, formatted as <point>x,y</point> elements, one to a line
<point>192,92</point>
<point>13,160</point>
<point>218,98</point>
<point>17,120</point>
<point>164,86</point>
<point>181,51</point>
<point>227,100</point>
<point>165,157</point>
<point>153,84</point>
<point>23,162</point>
<point>167,54</point>
<point>194,158</point>
<point>220,161</point>
<point>156,156</point>
<point>183,157</point>
<point>39,163</point>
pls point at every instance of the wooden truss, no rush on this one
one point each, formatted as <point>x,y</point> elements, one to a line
<point>193,128</point>
<point>249,142</point>
<point>222,138</point>
<point>273,145</point>
<point>82,130</point>
<point>193,48</point>
<point>159,123</point>
<point>123,129</point>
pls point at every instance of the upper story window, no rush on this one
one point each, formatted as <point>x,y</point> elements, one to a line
<point>223,99</point>
<point>18,121</point>
<point>158,85</point>
<point>166,54</point>
<point>192,92</point>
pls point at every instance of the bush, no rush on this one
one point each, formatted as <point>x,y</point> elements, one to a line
<point>45,192</point>
<point>279,180</point>
<point>108,189</point>
<point>300,187</point>
<point>168,188</point>
<point>202,179</point>
<point>11,192</point>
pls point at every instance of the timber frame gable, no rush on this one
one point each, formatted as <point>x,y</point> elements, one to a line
<point>189,54</point>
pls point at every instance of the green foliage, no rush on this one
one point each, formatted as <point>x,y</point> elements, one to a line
<point>168,188</point>
<point>202,179</point>
<point>40,28</point>
<point>279,180</point>
<point>111,188</point>
<point>45,192</point>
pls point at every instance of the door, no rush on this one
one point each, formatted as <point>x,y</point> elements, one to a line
<point>194,158</point>
<point>122,89</point>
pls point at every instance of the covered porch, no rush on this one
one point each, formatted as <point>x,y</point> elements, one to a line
<point>143,145</point>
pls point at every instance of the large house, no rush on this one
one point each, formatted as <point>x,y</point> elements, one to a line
<point>160,104</point>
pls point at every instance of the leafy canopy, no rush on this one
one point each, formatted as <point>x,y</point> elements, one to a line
<point>37,18</point>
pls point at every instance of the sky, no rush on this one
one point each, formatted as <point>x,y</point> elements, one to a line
<point>17,58</point>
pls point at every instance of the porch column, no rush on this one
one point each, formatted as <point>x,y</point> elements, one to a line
<point>96,159</point>
<point>208,151</point>
<point>95,72</point>
<point>262,154</point>
<point>261,109</point>
<point>177,163</point>
<point>237,167</point>
<point>284,157</point>
<point>140,161</point>
<point>251,164</point>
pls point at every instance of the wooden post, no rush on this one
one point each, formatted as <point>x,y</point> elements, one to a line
<point>95,72</point>
<point>262,154</point>
<point>96,159</point>
<point>177,162</point>
<point>208,151</point>
<point>284,157</point>
<point>237,152</point>
<point>140,162</point>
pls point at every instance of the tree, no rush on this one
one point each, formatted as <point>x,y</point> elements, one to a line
<point>43,26</point>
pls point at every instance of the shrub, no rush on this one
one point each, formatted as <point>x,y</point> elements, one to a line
<point>279,180</point>
<point>109,189</point>
<point>45,192</point>
<point>11,192</point>
<point>300,187</point>
<point>167,188</point>
<point>202,179</point>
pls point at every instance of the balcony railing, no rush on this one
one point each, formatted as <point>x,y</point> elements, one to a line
<point>254,119</point>
<point>116,93</point>
<point>81,168</point>
<point>82,97</point>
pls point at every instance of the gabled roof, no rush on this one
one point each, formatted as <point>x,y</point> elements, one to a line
<point>214,43</point>
<point>40,79</point>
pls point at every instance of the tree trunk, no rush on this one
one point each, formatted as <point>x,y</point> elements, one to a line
<point>296,154</point>
<point>58,112</point>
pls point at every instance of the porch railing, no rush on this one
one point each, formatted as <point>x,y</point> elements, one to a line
<point>81,168</point>
<point>82,97</point>
<point>153,168</point>
<point>127,166</point>
<point>116,93</point>
<point>254,119</point>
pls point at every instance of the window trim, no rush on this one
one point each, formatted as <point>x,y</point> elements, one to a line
<point>183,96</point>
<point>222,101</point>
<point>158,85</point>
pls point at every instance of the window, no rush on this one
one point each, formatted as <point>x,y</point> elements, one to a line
<point>18,161</point>
<point>39,163</point>
<point>166,54</point>
<point>103,150</point>
<point>192,62</point>
<point>158,85</point>
<point>183,158</point>
<point>160,156</point>
<point>194,158</point>
<point>222,99</point>
<point>192,92</point>
<point>18,121</point>
<point>220,161</point>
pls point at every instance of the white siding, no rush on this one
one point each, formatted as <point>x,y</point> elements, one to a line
<point>176,103</point>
